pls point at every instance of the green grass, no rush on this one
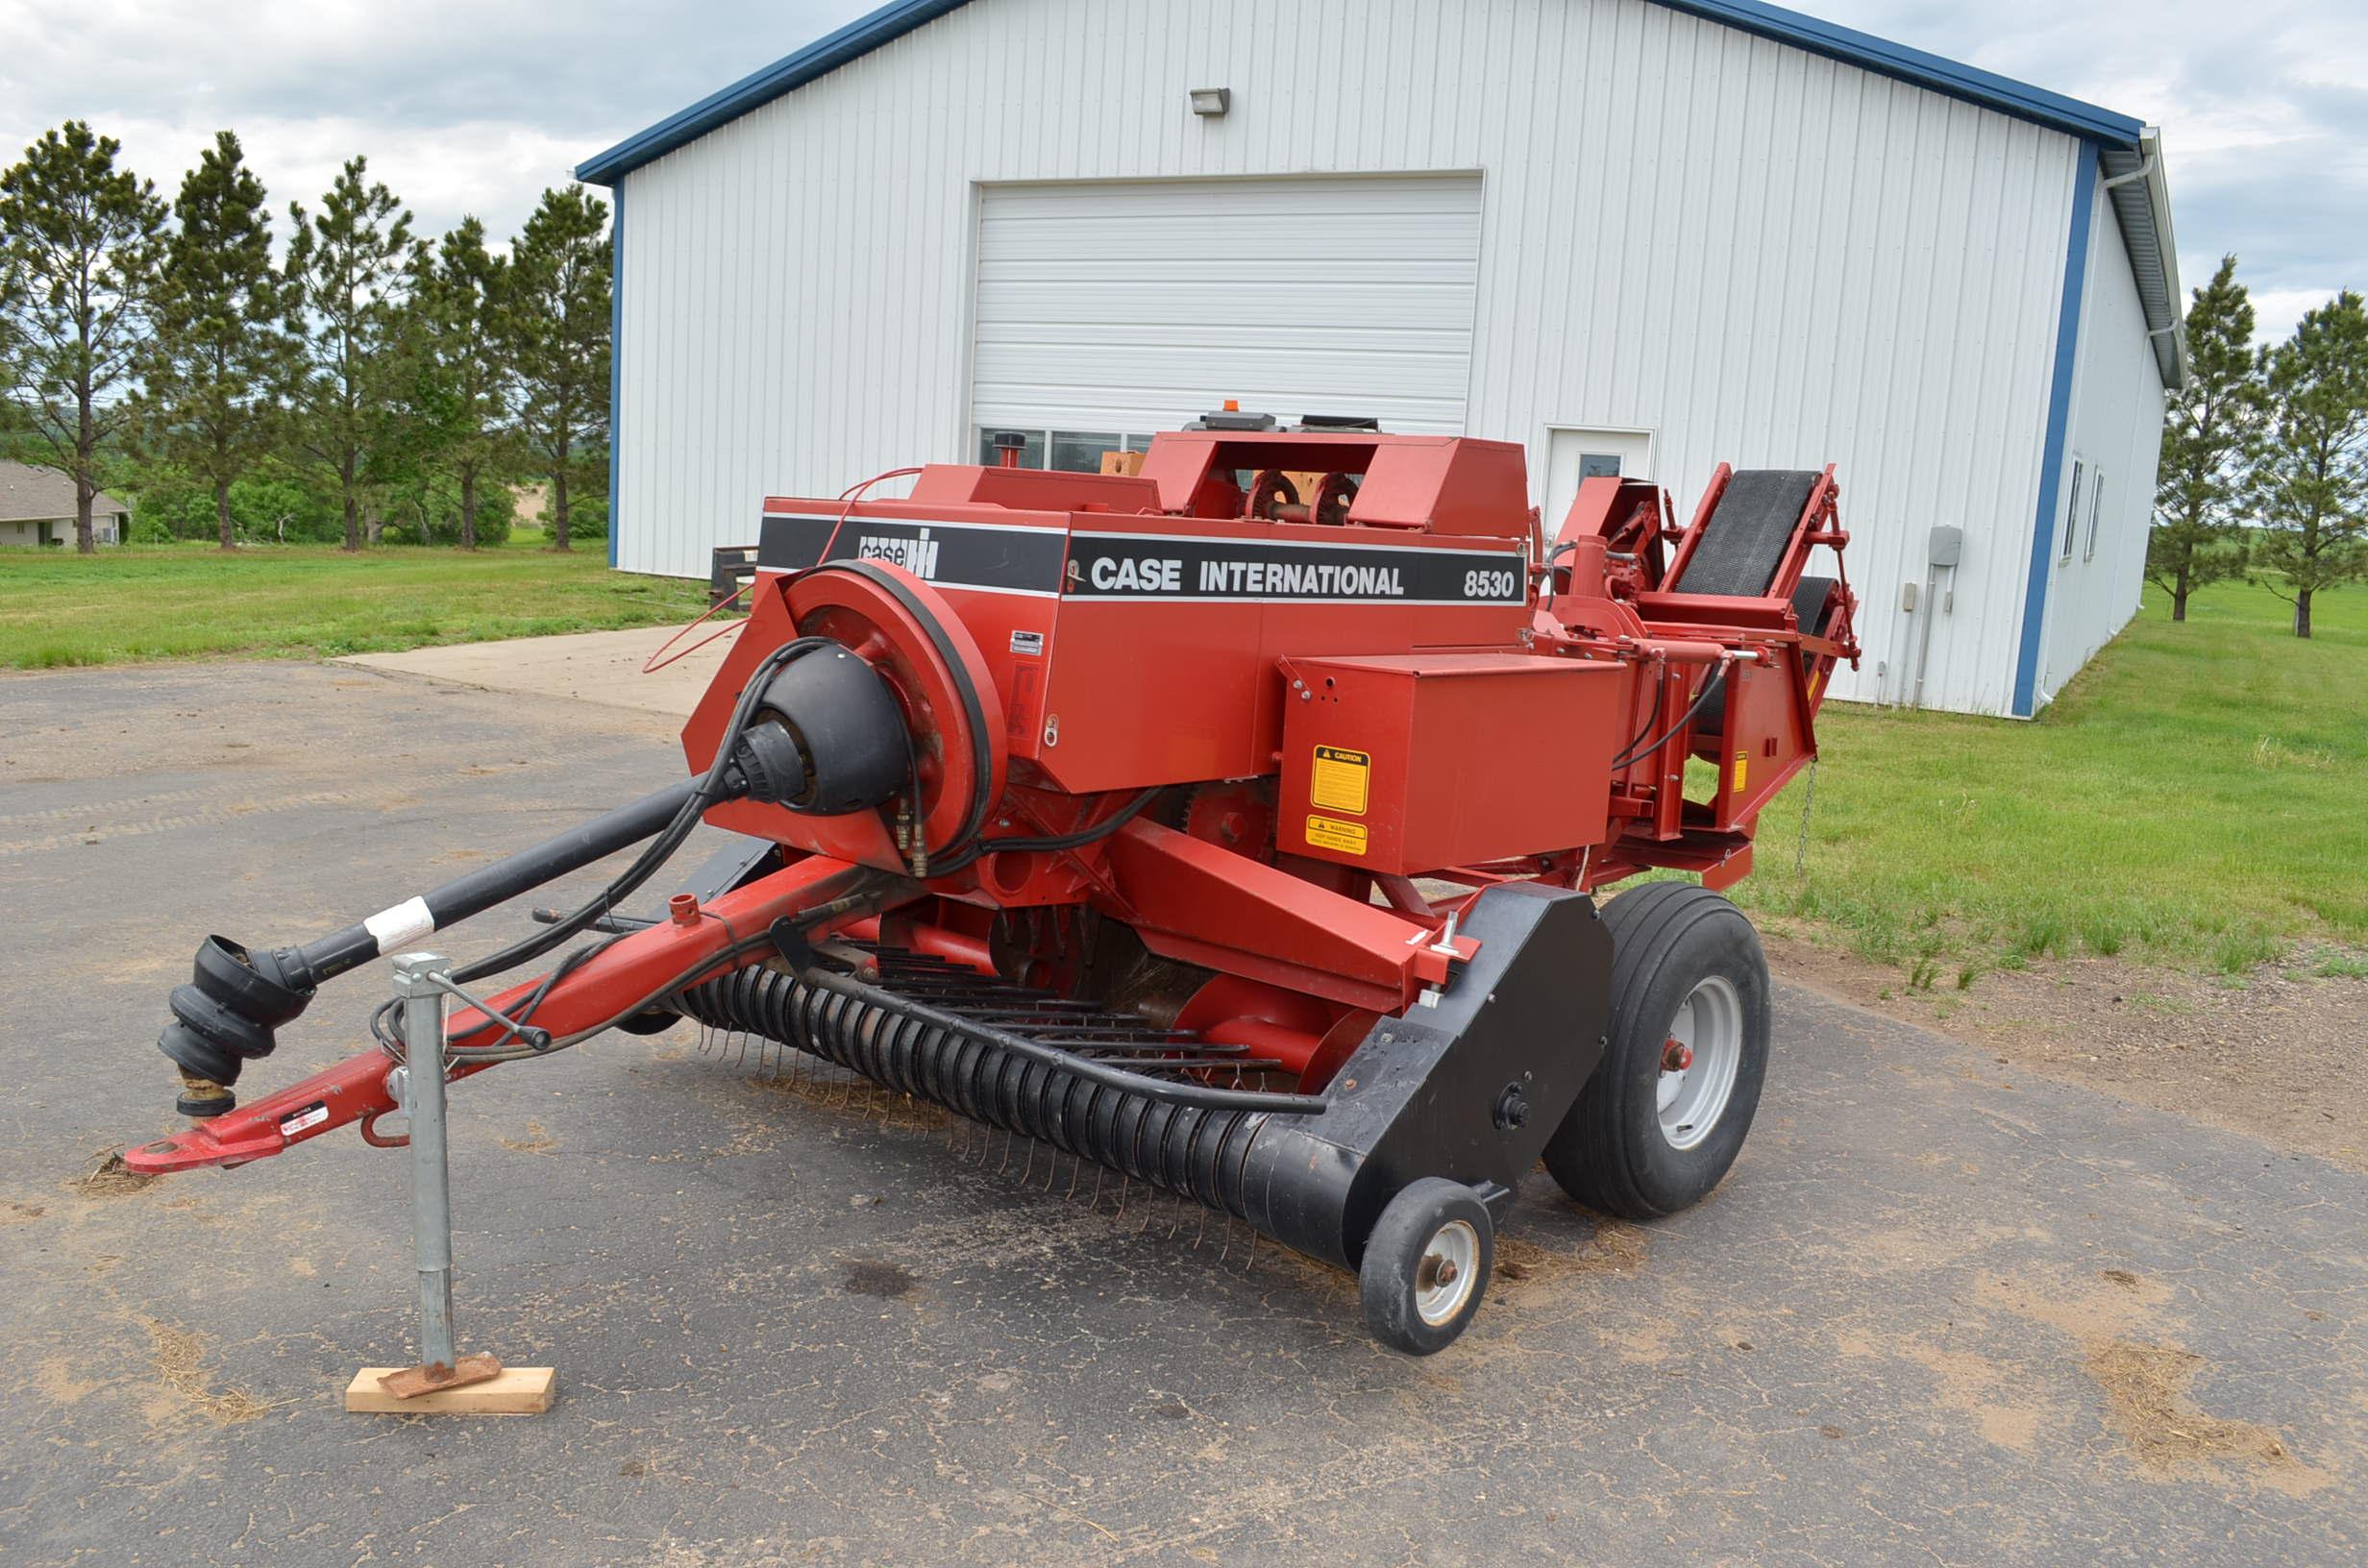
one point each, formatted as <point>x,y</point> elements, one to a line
<point>2199,796</point>
<point>169,602</point>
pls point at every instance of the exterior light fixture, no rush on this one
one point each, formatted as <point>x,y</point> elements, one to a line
<point>1211,102</point>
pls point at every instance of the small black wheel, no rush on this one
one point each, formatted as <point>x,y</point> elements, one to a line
<point>1665,1114</point>
<point>1425,1266</point>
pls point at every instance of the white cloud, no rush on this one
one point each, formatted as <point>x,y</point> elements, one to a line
<point>460,106</point>
<point>495,169</point>
<point>2276,310</point>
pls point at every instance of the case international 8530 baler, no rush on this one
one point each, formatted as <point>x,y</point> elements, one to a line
<point>1234,824</point>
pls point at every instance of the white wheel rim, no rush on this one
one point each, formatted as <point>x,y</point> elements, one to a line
<point>1448,1272</point>
<point>1708,1026</point>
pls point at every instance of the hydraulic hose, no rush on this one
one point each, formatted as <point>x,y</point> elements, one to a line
<point>505,879</point>
<point>231,1010</point>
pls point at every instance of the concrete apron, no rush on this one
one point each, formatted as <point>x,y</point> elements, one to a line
<point>604,667</point>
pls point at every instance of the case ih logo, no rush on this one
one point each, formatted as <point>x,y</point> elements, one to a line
<point>918,555</point>
<point>997,558</point>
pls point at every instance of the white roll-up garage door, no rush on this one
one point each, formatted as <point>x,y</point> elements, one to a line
<point>1118,310</point>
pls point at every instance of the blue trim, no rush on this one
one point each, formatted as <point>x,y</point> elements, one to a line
<point>859,38</point>
<point>2058,417</point>
<point>616,347</point>
<point>825,54</point>
<point>1940,74</point>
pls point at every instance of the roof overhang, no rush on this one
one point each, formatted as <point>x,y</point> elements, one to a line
<point>2143,206</point>
<point>1940,74</point>
<point>2141,196</point>
<point>821,56</point>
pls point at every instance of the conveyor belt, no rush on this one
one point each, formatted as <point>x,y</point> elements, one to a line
<point>1744,541</point>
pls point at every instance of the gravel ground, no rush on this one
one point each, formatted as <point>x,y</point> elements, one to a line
<point>1946,1310</point>
<point>2272,1054</point>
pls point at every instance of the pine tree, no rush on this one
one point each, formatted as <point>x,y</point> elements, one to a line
<point>2311,479</point>
<point>78,250</point>
<point>557,336</point>
<point>458,301</point>
<point>347,271</point>
<point>12,342</point>
<point>219,359</point>
<point>2209,434</point>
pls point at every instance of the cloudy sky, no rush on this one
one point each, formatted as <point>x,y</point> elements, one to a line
<point>474,106</point>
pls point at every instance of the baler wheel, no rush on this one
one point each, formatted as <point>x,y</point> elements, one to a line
<point>1665,1114</point>
<point>1426,1265</point>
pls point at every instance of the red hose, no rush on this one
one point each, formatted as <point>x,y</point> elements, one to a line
<point>659,660</point>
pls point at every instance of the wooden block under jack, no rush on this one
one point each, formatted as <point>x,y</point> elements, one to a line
<point>517,1390</point>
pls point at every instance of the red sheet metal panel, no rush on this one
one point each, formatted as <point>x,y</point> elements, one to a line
<point>1411,763</point>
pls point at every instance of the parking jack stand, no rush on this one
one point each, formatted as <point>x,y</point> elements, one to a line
<point>444,1381</point>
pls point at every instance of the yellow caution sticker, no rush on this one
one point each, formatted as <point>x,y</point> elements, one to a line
<point>1347,837</point>
<point>1339,782</point>
<point>1743,771</point>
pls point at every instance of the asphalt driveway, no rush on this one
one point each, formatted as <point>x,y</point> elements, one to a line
<point>1945,1311</point>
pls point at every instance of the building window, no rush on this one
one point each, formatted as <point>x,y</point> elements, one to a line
<point>1075,451</point>
<point>2096,512</point>
<point>2072,509</point>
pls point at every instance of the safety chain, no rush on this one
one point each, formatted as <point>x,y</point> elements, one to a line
<point>1808,802</point>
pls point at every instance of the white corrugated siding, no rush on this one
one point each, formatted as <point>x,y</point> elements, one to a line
<point>1137,307</point>
<point>1760,255</point>
<point>2116,426</point>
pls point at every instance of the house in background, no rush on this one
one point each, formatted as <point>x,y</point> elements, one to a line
<point>37,507</point>
<point>1639,236</point>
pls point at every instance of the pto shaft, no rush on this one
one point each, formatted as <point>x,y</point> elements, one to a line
<point>231,1010</point>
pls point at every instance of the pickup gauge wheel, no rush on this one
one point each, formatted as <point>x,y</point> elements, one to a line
<point>1426,1265</point>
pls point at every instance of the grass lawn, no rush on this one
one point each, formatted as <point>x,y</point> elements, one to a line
<point>2198,797</point>
<point>164,602</point>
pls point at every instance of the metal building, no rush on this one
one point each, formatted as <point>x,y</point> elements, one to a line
<point>1646,234</point>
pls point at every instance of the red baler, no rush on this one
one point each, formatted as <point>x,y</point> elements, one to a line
<point>1233,824</point>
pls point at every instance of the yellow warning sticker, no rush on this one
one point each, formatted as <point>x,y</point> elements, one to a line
<point>1348,838</point>
<point>1339,780</point>
<point>1743,771</point>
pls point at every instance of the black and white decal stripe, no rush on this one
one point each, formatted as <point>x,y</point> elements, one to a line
<point>993,557</point>
<point>1171,568</point>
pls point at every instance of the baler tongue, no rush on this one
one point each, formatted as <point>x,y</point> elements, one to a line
<point>614,985</point>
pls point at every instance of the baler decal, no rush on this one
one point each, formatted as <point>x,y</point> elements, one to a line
<point>1180,569</point>
<point>1338,779</point>
<point>1331,833</point>
<point>990,558</point>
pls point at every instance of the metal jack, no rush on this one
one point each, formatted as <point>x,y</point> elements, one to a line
<point>418,1086</point>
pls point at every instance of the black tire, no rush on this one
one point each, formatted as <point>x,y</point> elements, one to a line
<point>1392,1280</point>
<point>1610,1152</point>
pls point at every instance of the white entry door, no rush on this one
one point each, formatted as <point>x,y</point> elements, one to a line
<point>1575,453</point>
<point>1106,311</point>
